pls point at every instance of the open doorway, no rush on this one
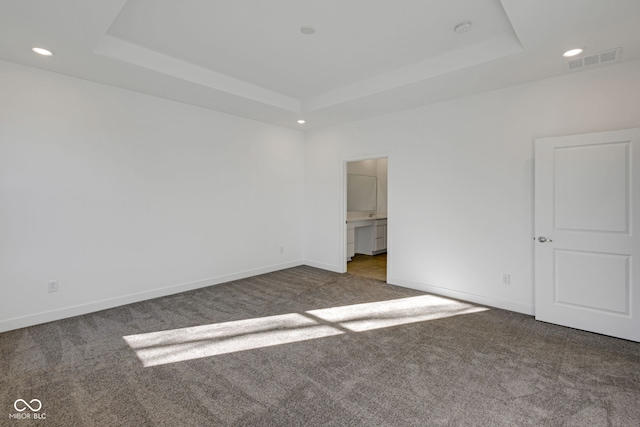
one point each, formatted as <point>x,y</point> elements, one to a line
<point>366,218</point>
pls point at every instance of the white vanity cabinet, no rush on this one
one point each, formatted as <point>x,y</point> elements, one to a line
<point>351,241</point>
<point>380,243</point>
<point>366,236</point>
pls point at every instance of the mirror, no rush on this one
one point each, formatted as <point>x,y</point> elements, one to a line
<point>361,193</point>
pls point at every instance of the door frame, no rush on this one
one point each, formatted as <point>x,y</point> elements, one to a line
<point>343,215</point>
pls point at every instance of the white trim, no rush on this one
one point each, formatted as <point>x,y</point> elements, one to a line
<point>478,299</point>
<point>77,310</point>
<point>323,266</point>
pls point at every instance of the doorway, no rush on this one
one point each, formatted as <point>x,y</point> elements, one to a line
<point>371,266</point>
<point>366,210</point>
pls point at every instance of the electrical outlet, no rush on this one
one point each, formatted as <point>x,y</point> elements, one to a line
<point>506,279</point>
<point>52,286</point>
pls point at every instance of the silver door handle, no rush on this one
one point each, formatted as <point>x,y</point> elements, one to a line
<point>543,239</point>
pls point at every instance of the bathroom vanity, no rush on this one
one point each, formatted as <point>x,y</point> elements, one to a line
<point>366,235</point>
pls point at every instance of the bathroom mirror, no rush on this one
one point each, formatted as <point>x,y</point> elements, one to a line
<point>361,193</point>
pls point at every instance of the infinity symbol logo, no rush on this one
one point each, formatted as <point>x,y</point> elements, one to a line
<point>27,405</point>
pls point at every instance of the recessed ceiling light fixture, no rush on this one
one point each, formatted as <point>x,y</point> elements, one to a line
<point>41,51</point>
<point>572,52</point>
<point>462,27</point>
<point>307,29</point>
<point>302,121</point>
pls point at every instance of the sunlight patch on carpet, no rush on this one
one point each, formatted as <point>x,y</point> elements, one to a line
<point>384,314</point>
<point>176,345</point>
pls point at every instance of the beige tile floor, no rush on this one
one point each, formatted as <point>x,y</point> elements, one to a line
<point>369,266</point>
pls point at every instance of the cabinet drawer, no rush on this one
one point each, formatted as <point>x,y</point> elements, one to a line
<point>379,244</point>
<point>380,231</point>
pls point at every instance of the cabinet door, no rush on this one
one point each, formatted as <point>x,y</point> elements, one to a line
<point>351,243</point>
<point>381,238</point>
<point>385,237</point>
<point>351,251</point>
<point>379,245</point>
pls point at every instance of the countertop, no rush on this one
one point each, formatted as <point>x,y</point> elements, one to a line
<point>365,218</point>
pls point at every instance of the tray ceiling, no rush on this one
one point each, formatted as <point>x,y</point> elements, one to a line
<point>366,57</point>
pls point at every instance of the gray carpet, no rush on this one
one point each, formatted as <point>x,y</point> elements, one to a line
<point>306,347</point>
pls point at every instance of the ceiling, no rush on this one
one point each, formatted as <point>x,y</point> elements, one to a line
<point>367,57</point>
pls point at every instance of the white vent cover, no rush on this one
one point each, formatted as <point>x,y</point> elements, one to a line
<point>595,59</point>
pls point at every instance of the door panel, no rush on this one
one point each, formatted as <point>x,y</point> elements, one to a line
<point>579,275</point>
<point>580,187</point>
<point>586,195</point>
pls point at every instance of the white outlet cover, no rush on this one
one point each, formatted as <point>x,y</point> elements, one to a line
<point>53,286</point>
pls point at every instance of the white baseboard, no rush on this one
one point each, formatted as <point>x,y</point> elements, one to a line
<point>323,266</point>
<point>64,313</point>
<point>478,299</point>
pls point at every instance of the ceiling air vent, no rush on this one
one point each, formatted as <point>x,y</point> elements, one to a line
<point>595,59</point>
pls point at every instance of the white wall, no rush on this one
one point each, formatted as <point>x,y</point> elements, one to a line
<point>121,196</point>
<point>461,180</point>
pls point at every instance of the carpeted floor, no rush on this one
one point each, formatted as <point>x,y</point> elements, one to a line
<point>306,347</point>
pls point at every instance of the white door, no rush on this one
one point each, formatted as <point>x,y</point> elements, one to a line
<point>587,208</point>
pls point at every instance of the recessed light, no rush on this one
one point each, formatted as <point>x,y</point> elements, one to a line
<point>41,51</point>
<point>302,121</point>
<point>462,27</point>
<point>572,52</point>
<point>307,29</point>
